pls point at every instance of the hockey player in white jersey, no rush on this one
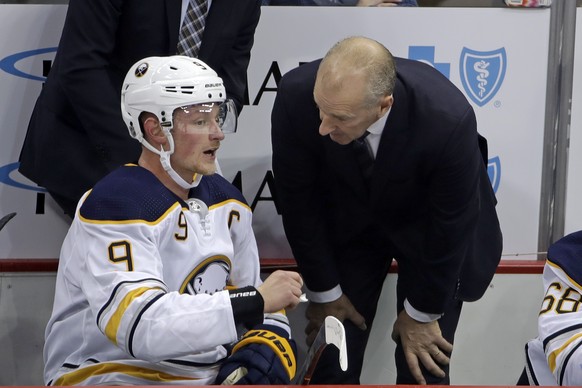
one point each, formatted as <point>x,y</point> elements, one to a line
<point>159,271</point>
<point>555,356</point>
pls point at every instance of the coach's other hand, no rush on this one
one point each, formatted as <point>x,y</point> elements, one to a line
<point>281,290</point>
<point>422,341</point>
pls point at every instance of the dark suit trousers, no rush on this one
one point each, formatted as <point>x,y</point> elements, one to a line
<point>363,276</point>
<point>447,323</point>
<point>362,283</point>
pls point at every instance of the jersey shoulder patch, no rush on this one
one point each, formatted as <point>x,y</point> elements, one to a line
<point>128,193</point>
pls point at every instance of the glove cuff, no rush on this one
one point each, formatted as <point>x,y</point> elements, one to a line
<point>247,306</point>
<point>278,344</point>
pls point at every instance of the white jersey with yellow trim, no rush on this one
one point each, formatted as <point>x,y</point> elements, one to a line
<point>141,286</point>
<point>555,356</point>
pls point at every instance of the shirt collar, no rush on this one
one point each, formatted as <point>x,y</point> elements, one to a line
<point>378,126</point>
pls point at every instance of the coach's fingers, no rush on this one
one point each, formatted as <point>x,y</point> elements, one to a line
<point>357,319</point>
<point>430,365</point>
<point>312,326</point>
<point>414,367</point>
<point>443,346</point>
<point>440,357</point>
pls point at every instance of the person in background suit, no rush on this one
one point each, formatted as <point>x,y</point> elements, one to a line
<point>76,134</point>
<point>359,3</point>
<point>427,202</point>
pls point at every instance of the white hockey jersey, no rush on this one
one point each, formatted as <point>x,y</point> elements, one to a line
<point>555,356</point>
<point>141,286</point>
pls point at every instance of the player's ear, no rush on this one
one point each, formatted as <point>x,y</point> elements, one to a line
<point>152,129</point>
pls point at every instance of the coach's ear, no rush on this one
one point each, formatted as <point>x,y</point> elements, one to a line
<point>385,104</point>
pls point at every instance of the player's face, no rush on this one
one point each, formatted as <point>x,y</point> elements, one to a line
<point>343,111</point>
<point>197,138</point>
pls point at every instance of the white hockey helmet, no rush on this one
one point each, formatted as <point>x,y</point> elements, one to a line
<point>160,85</point>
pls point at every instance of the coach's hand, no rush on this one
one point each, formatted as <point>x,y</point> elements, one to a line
<point>340,308</point>
<point>422,342</point>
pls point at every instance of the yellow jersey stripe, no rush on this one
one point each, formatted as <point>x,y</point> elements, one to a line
<point>552,357</point>
<point>115,320</point>
<point>80,375</point>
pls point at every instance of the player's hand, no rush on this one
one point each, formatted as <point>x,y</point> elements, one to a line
<point>281,290</point>
<point>340,308</point>
<point>264,356</point>
<point>422,342</point>
<point>378,3</point>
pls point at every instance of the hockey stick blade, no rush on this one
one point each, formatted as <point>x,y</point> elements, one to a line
<point>331,332</point>
<point>4,220</point>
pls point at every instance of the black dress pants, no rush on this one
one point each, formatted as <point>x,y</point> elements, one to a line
<point>362,280</point>
<point>362,283</point>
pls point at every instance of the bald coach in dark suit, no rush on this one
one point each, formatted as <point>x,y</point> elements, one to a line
<point>76,134</point>
<point>428,203</point>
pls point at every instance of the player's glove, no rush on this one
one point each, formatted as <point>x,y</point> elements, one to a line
<point>264,356</point>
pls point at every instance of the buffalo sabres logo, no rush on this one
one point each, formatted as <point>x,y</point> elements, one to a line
<point>494,172</point>
<point>210,276</point>
<point>141,69</point>
<point>482,73</point>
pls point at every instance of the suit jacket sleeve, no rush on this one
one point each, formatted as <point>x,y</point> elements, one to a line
<point>85,51</point>
<point>297,161</point>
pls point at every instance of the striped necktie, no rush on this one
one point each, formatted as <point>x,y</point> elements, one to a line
<point>192,29</point>
<point>364,156</point>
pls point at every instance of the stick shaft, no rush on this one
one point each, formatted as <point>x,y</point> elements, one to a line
<point>304,374</point>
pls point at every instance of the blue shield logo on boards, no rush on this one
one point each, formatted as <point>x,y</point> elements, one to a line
<point>494,172</point>
<point>426,55</point>
<point>482,73</point>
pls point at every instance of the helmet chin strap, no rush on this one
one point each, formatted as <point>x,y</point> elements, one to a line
<point>165,161</point>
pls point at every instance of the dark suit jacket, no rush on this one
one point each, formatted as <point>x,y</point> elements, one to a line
<point>76,134</point>
<point>430,202</point>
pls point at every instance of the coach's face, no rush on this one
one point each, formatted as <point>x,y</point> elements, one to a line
<point>344,109</point>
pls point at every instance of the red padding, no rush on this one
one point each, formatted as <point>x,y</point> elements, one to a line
<point>268,265</point>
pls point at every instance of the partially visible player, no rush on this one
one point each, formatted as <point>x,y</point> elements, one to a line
<point>159,272</point>
<point>555,356</point>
